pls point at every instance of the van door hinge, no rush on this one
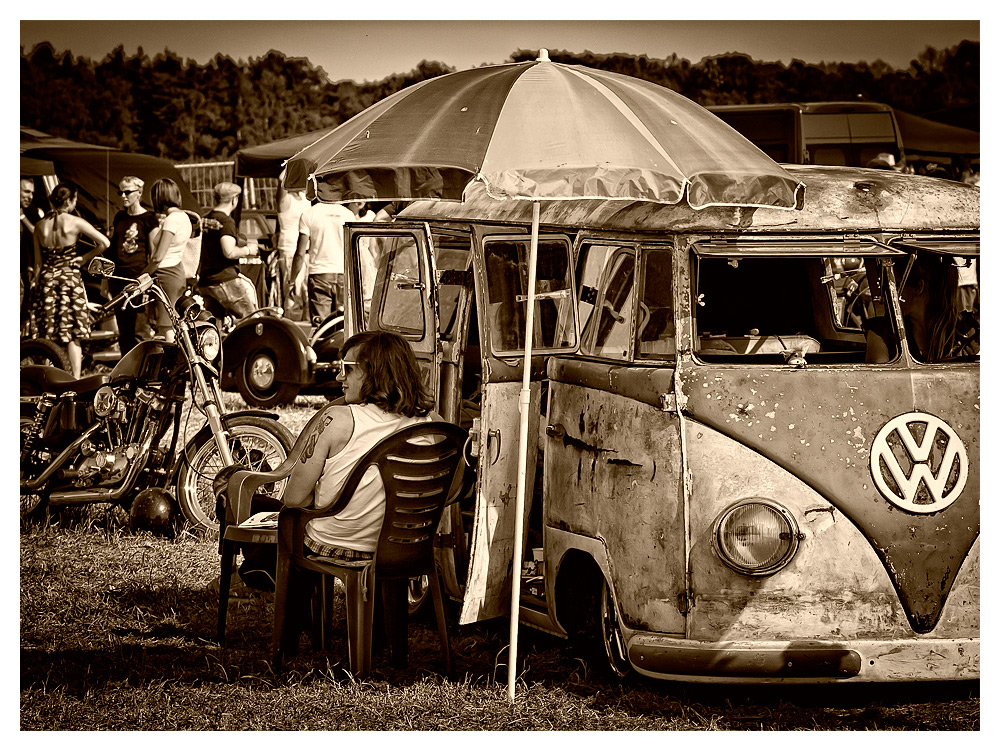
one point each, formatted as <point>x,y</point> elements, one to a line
<point>668,403</point>
<point>683,603</point>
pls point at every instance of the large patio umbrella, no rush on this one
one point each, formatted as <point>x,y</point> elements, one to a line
<point>539,131</point>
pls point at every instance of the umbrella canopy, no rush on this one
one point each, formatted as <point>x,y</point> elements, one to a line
<point>540,130</point>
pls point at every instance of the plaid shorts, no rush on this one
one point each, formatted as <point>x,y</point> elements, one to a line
<point>331,551</point>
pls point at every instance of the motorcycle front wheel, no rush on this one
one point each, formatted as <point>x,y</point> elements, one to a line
<point>256,443</point>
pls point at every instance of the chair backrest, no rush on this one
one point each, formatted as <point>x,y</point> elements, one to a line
<point>419,466</point>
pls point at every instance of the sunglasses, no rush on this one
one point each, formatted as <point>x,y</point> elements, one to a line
<point>344,366</point>
<point>124,193</point>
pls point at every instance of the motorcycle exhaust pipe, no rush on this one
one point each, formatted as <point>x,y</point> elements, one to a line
<point>59,461</point>
<point>105,495</point>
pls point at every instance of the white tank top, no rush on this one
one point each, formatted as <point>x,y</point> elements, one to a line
<point>357,526</point>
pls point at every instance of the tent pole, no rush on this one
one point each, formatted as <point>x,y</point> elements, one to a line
<point>524,403</point>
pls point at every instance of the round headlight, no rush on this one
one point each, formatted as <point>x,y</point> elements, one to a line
<point>756,537</point>
<point>209,342</point>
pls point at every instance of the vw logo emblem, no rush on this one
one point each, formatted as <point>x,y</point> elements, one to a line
<point>919,463</point>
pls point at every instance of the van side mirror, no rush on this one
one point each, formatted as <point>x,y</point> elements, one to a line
<point>100,266</point>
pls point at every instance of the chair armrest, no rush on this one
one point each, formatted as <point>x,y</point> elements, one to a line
<point>243,483</point>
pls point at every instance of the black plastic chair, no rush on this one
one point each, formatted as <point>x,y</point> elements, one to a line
<point>238,486</point>
<point>422,471</point>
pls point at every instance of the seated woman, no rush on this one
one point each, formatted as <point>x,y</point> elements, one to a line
<point>383,393</point>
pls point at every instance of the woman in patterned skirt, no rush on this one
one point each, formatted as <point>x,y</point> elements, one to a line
<point>60,306</point>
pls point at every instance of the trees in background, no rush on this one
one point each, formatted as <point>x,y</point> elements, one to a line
<point>185,111</point>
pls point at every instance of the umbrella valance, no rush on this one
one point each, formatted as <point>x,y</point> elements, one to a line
<point>540,131</point>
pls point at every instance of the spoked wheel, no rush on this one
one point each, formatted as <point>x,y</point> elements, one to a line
<point>256,443</point>
<point>44,352</point>
<point>615,649</point>
<point>257,380</point>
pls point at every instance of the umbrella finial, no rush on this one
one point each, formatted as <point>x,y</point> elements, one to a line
<point>543,56</point>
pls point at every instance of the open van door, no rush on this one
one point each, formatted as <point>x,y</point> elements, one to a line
<point>390,286</point>
<point>501,286</point>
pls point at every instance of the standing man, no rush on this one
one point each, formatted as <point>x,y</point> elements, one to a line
<point>130,252</point>
<point>321,236</point>
<point>219,276</point>
<point>29,216</point>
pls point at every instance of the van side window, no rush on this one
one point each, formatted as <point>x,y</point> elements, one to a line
<point>453,258</point>
<point>507,289</point>
<point>606,294</point>
<point>396,293</point>
<point>656,311</point>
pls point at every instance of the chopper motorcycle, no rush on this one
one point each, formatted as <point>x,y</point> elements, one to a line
<point>102,438</point>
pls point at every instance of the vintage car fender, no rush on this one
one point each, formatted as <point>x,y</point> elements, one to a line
<point>285,338</point>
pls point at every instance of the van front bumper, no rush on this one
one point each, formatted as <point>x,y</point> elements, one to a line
<point>668,658</point>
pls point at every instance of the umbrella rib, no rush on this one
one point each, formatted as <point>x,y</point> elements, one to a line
<point>630,116</point>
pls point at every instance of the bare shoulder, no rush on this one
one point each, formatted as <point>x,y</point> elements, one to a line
<point>327,432</point>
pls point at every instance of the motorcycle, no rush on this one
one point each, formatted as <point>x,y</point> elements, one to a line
<point>104,437</point>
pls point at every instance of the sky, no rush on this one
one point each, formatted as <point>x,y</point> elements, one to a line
<point>365,50</point>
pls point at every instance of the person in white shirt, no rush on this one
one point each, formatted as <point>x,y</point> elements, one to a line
<point>321,236</point>
<point>167,243</point>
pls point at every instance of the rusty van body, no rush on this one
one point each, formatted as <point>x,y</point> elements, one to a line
<point>728,485</point>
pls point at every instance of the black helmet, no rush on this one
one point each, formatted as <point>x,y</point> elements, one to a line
<point>153,510</point>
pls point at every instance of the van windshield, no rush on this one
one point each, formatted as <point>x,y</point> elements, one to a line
<point>785,309</point>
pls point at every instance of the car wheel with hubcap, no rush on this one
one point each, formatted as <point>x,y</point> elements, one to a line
<point>257,380</point>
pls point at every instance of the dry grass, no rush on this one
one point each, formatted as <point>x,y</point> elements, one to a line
<point>117,633</point>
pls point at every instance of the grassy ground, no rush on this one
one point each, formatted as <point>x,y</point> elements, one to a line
<point>117,633</point>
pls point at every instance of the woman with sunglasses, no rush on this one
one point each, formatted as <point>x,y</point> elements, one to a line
<point>382,393</point>
<point>130,252</point>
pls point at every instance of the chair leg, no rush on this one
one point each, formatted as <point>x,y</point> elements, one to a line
<point>281,582</point>
<point>442,622</point>
<point>360,612</point>
<point>228,559</point>
<point>395,616</point>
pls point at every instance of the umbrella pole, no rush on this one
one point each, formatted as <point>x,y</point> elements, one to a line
<point>524,403</point>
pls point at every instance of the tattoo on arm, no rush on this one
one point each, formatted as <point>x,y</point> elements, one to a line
<point>313,438</point>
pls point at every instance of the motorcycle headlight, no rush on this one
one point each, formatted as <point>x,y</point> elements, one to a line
<point>209,342</point>
<point>756,537</point>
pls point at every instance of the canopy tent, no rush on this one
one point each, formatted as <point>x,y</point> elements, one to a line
<point>266,160</point>
<point>36,167</point>
<point>97,170</point>
<point>924,136</point>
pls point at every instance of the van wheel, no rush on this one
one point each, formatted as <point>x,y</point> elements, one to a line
<point>615,650</point>
<point>257,380</point>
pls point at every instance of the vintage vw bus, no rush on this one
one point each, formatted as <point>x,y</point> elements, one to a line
<point>749,464</point>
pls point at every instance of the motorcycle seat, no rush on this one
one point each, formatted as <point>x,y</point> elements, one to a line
<point>58,381</point>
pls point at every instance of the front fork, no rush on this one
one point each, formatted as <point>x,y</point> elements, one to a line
<point>212,395</point>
